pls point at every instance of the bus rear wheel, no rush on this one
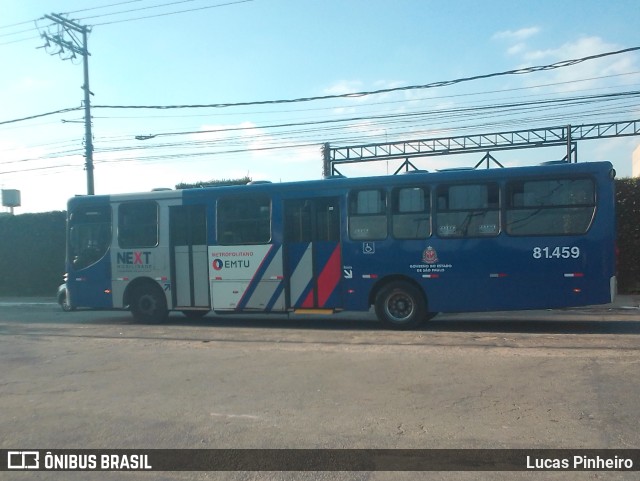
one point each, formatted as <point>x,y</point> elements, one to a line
<point>400,305</point>
<point>149,304</point>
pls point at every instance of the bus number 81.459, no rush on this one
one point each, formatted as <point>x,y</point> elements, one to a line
<point>556,252</point>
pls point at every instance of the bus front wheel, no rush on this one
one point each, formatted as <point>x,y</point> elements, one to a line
<point>149,304</point>
<point>400,305</point>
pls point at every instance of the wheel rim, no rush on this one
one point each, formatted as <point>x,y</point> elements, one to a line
<point>147,304</point>
<point>399,307</point>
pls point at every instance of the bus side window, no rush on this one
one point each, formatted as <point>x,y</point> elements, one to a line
<point>471,210</point>
<point>368,215</point>
<point>411,218</point>
<point>550,207</point>
<point>138,224</point>
<point>244,220</point>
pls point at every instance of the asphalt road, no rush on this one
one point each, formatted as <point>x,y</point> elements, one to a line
<point>539,379</point>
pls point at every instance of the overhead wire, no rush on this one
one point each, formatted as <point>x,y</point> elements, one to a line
<point>370,126</point>
<point>375,123</point>
<point>121,12</point>
<point>18,24</point>
<point>444,83</point>
<point>235,2</point>
<point>18,40</point>
<point>294,143</point>
<point>148,7</point>
<point>384,102</point>
<point>100,7</point>
<point>37,116</point>
<point>435,113</point>
<point>556,65</point>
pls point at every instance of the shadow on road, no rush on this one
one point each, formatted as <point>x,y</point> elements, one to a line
<point>537,322</point>
<point>579,321</point>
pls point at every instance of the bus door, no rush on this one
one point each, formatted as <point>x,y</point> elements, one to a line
<point>189,258</point>
<point>88,265</point>
<point>313,256</point>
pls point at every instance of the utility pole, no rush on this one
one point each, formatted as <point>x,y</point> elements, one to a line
<point>68,51</point>
<point>326,160</point>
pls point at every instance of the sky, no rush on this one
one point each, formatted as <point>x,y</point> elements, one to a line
<point>183,54</point>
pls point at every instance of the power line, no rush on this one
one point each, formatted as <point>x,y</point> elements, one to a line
<point>556,65</point>
<point>100,7</point>
<point>33,169</point>
<point>17,33</point>
<point>18,41</point>
<point>374,124</point>
<point>386,102</point>
<point>31,117</point>
<point>103,6</point>
<point>389,122</point>
<point>116,13</point>
<point>173,13</point>
<point>15,24</point>
<point>445,83</point>
<point>465,111</point>
<point>150,7</point>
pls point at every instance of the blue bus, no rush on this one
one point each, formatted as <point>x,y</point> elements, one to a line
<point>410,246</point>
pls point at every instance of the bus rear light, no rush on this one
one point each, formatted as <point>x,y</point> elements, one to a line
<point>430,276</point>
<point>498,275</point>
<point>369,276</point>
<point>577,290</point>
<point>351,291</point>
<point>107,291</point>
<point>574,274</point>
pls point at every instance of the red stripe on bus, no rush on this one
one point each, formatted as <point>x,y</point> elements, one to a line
<point>308,302</point>
<point>329,277</point>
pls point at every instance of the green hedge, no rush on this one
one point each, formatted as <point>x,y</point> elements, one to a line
<point>32,247</point>
<point>31,253</point>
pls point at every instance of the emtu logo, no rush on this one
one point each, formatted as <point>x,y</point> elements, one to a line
<point>217,264</point>
<point>23,460</point>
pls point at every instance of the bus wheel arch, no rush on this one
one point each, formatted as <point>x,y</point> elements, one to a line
<point>146,300</point>
<point>400,303</point>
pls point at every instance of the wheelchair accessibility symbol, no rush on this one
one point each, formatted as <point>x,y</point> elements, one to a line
<point>368,248</point>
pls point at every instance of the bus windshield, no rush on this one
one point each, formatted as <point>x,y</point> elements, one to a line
<point>89,235</point>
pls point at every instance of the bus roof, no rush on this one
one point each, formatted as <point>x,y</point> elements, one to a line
<point>463,175</point>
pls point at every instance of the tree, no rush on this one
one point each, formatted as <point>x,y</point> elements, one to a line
<point>215,183</point>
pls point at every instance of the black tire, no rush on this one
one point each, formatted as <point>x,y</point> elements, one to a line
<point>148,304</point>
<point>63,300</point>
<point>400,305</point>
